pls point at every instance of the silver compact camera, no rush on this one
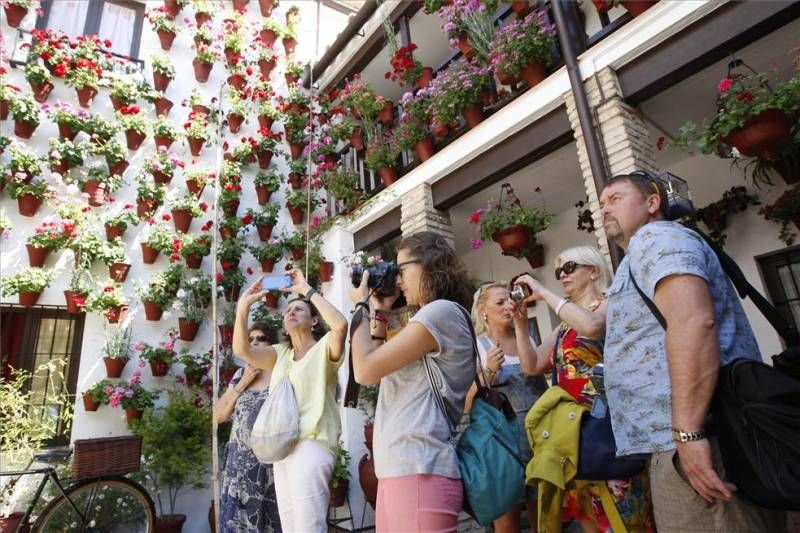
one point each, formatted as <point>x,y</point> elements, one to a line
<point>519,293</point>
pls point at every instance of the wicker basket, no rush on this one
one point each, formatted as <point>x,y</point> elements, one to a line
<point>111,456</point>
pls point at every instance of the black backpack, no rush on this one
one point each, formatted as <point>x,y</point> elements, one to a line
<point>756,408</point>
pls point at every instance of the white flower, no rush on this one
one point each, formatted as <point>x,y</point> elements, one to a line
<point>93,522</point>
<point>181,293</point>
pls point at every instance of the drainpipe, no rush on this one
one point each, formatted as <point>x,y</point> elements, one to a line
<point>593,149</point>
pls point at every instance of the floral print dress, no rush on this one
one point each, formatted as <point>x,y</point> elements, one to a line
<point>574,357</point>
<point>247,496</point>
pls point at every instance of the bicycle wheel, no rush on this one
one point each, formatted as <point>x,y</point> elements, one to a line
<point>109,505</point>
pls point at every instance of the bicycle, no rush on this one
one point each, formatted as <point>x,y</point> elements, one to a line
<point>99,499</point>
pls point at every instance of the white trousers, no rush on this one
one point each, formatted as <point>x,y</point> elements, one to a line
<point>301,487</point>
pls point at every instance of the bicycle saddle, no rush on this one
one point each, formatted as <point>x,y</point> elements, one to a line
<point>53,455</point>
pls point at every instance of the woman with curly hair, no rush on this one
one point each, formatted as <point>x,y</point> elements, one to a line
<point>419,485</point>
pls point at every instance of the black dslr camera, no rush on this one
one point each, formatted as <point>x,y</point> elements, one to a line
<point>382,277</point>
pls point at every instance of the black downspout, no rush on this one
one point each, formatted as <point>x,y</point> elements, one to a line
<point>593,149</point>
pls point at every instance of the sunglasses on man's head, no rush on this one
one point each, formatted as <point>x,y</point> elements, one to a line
<point>567,268</point>
<point>259,338</point>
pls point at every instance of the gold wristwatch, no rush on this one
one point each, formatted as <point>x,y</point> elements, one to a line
<point>678,435</point>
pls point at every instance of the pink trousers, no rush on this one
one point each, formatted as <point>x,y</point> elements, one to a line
<point>422,502</point>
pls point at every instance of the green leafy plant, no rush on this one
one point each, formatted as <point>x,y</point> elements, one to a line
<point>456,88</point>
<point>193,297</point>
<point>25,109</point>
<point>66,150</point>
<point>99,173</point>
<point>130,118</point>
<point>63,113</point>
<point>271,179</point>
<point>105,297</point>
<point>161,20</point>
<point>133,395</point>
<point>37,74</point>
<point>113,252</point>
<point>715,216</point>
<point>125,89</point>
<point>296,239</point>
<point>197,126</point>
<point>84,73</point>
<point>195,245</point>
<point>99,391</point>
<point>23,163</point>
<point>189,202</point>
<point>499,217</point>
<point>785,210</point>
<point>206,54</point>
<point>29,279</point>
<point>231,224</point>
<point>344,185</point>
<point>158,235</point>
<point>163,127</point>
<point>267,216</point>
<point>164,352</point>
<point>118,341</point>
<point>230,279</point>
<point>522,42</point>
<point>162,287</point>
<point>162,64</point>
<point>195,365</point>
<point>271,250</point>
<point>382,152</point>
<point>36,188</point>
<point>298,199</point>
<point>87,247</point>
<point>263,314</point>
<point>54,235</point>
<point>113,151</point>
<point>341,462</point>
<point>162,161</point>
<point>102,131</point>
<point>121,219</point>
<point>230,251</point>
<point>149,191</point>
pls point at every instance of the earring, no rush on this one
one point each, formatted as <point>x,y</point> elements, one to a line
<point>485,318</point>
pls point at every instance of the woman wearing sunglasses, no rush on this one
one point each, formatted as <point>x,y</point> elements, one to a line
<point>310,357</point>
<point>419,485</point>
<point>575,347</point>
<point>247,495</point>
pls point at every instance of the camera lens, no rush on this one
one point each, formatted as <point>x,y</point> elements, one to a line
<point>517,294</point>
<point>382,277</point>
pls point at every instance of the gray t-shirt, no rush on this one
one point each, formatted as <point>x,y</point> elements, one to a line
<point>637,371</point>
<point>411,434</point>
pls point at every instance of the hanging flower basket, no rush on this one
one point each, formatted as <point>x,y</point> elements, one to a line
<point>235,122</point>
<point>149,254</point>
<point>14,14</point>
<point>112,232</point>
<point>96,191</point>
<point>74,301</point>
<point>761,135</point>
<point>24,130</point>
<point>187,331</point>
<point>266,7</point>
<point>160,81</point>
<point>264,232</point>
<point>196,145</point>
<point>41,92</point>
<point>163,105</point>
<point>425,149</point>
<point>28,205</point>
<point>266,67</point>
<point>118,271</point>
<point>86,95</point>
<point>388,175</point>
<point>267,265</point>
<point>201,70</point>
<point>473,115</point>
<point>194,261</point>
<point>161,177</point>
<point>158,368</point>
<point>114,366</point>
<point>28,298</point>
<point>134,139</point>
<point>263,194</point>
<point>37,256</point>
<point>165,38</point>
<point>297,214</point>
<point>116,314</point>
<point>182,219</point>
<point>325,271</point>
<point>88,403</point>
<point>152,311</point>
<point>65,131</point>
<point>512,240</point>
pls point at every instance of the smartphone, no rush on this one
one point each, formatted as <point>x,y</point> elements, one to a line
<point>276,281</point>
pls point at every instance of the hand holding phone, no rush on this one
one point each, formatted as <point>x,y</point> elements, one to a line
<point>275,282</point>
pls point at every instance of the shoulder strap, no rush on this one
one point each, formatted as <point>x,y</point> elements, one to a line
<point>648,302</point>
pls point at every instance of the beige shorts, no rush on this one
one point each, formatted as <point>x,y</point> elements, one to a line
<point>679,509</point>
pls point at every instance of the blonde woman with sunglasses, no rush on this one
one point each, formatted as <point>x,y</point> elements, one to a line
<point>575,348</point>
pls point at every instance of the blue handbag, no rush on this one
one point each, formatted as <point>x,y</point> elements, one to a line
<point>492,472</point>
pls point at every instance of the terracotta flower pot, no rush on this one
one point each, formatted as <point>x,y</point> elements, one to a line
<point>267,265</point>
<point>441,130</point>
<point>201,70</point>
<point>425,149</point>
<point>163,140</point>
<point>296,150</point>
<point>145,208</point>
<point>195,145</point>
<point>152,311</point>
<point>231,55</point>
<point>266,7</point>
<point>367,478</point>
<point>132,414</point>
<point>265,122</point>
<point>512,240</point>
<point>298,215</point>
<point>289,45</point>
<point>182,219</point>
<point>473,115</point>
<point>161,178</point>
<point>116,103</point>
<point>761,135</point>
<point>112,232</point>
<point>237,81</point>
<point>339,494</point>
<point>116,314</point>
<point>65,131</point>
<point>194,187</point>
<point>535,256</point>
<point>14,15</point>
<point>118,168</point>
<point>264,232</point>
<point>149,254</point>
<point>41,92</point>
<point>134,139</point>
<point>24,130</point>
<point>232,294</point>
<point>28,298</point>
<point>194,261</point>
<point>271,300</point>
<point>268,36</point>
<point>60,166</point>
<point>3,109</point>
<point>506,79</point>
<point>200,108</point>
<point>263,194</point>
<point>637,7</point>
<point>295,180</point>
<point>388,175</point>
<point>160,81</point>
<point>158,368</point>
<point>172,7</point>
<point>73,300</point>
<point>165,38</point>
<point>114,366</point>
<point>227,234</point>
<point>96,191</point>
<point>235,122</point>
<point>86,96</point>
<point>202,18</point>
<point>356,139</point>
<point>521,8</point>
<point>239,5</point>
<point>533,73</point>
<point>231,209</point>
<point>465,45</point>
<point>264,159</point>
<point>386,114</point>
<point>297,252</point>
<point>28,205</point>
<point>37,256</point>
<point>225,333</point>
<point>163,105</point>
<point>266,67</point>
<point>118,271</point>
<point>89,404</point>
<point>425,78</point>
<point>325,271</point>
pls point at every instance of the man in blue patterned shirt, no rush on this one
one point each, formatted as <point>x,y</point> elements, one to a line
<point>660,384</point>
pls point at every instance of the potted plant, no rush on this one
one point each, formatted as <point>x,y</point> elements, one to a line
<point>267,57</point>
<point>271,29</point>
<point>523,48</point>
<point>135,125</point>
<point>28,284</point>
<point>157,238</point>
<point>195,366</point>
<point>340,477</point>
<point>163,71</point>
<point>162,166</point>
<point>293,72</point>
<point>344,185</point>
<point>112,254</point>
<point>86,246</point>
<point>237,110</point>
<point>115,155</point>
<point>164,132</point>
<point>513,226</point>
<point>133,397</point>
<point>203,62</point>
<point>229,227</point>
<point>268,254</point>
<point>267,113</point>
<point>194,248</point>
<point>174,7</point>
<point>97,395</point>
<point>296,243</point>
<point>160,357</point>
<point>80,284</point>
<point>264,220</point>
<point>176,450</point>
<point>25,111</point>
<point>23,164</point>
<point>634,7</point>
<point>785,210</point>
<point>266,183</point>
<point>184,209</point>
<point>109,300</point>
<point>469,26</point>
<point>381,158</point>
<point>197,133</point>
<point>204,11</point>
<point>266,6</point>
<point>232,39</point>
<point>192,300</point>
<point>69,120</point>
<point>231,281</point>
<point>159,293</point>
<point>229,197</point>
<point>97,182</point>
<point>294,126</point>
<point>84,77</point>
<point>289,33</point>
<point>297,173</point>
<point>49,236</point>
<point>715,216</point>
<point>229,253</point>
<point>458,90</point>
<point>39,79</point>
<point>64,154</point>
<point>161,22</point>
<point>226,334</point>
<point>101,131</point>
<point>124,92</point>
<point>148,196</point>
<point>116,349</point>
<point>115,224</point>
<point>413,130</point>
<point>16,11</point>
<point>405,69</point>
<point>196,179</point>
<point>29,196</point>
<point>298,204</point>
<point>244,153</point>
<point>267,145</point>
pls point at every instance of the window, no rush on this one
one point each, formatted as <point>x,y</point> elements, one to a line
<point>30,337</point>
<point>119,21</point>
<point>781,271</point>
